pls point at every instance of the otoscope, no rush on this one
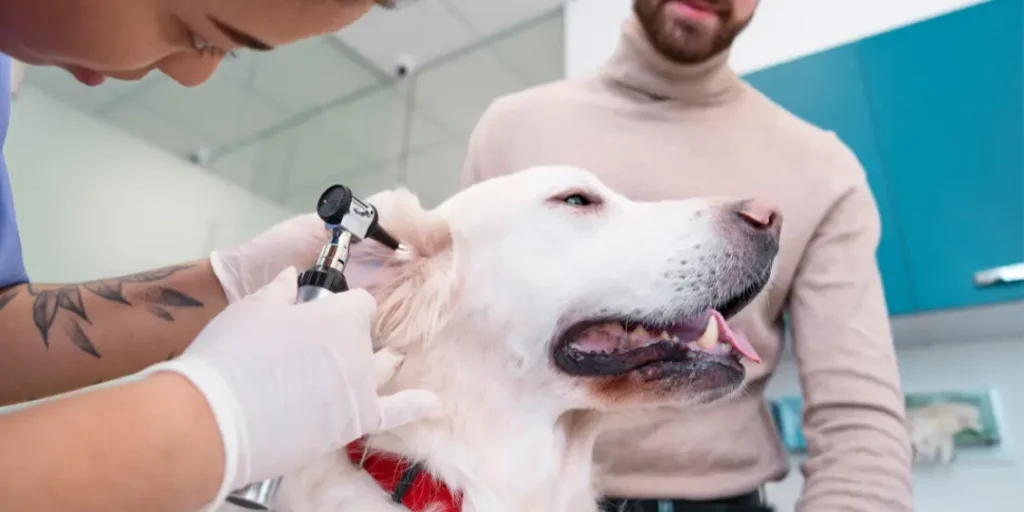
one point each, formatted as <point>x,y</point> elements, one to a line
<point>346,217</point>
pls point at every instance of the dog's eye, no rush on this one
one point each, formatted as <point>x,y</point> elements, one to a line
<point>577,200</point>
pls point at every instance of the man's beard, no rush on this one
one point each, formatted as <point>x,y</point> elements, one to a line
<point>687,42</point>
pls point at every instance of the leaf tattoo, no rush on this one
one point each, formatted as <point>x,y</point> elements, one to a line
<point>7,297</point>
<point>44,311</point>
<point>78,337</point>
<point>168,297</point>
<point>160,312</point>
<point>71,300</point>
<point>154,275</point>
<point>110,291</point>
<point>50,301</point>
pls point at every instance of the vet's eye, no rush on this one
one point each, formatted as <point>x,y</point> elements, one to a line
<point>577,200</point>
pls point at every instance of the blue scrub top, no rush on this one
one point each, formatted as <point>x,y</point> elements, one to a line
<point>12,266</point>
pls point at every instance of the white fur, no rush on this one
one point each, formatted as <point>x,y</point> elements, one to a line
<point>487,281</point>
<point>933,428</point>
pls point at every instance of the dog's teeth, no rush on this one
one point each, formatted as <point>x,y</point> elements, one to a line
<point>709,339</point>
<point>640,332</point>
<point>666,336</point>
<point>623,345</point>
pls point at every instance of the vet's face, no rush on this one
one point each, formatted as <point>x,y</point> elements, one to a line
<point>606,300</point>
<point>691,31</point>
<point>96,39</point>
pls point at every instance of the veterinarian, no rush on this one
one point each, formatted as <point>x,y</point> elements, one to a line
<point>266,387</point>
<point>666,118</point>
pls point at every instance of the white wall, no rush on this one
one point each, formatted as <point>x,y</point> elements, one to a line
<point>980,479</point>
<point>93,201</point>
<point>782,30</point>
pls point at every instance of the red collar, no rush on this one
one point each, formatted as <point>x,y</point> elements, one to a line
<point>414,489</point>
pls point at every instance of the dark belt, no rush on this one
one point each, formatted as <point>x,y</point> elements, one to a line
<point>750,502</point>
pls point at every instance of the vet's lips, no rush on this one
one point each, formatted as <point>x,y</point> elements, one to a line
<point>86,76</point>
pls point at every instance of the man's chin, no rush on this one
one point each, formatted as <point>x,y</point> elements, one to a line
<point>683,44</point>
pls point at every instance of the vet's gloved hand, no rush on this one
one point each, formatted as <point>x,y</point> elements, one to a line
<point>295,242</point>
<point>288,382</point>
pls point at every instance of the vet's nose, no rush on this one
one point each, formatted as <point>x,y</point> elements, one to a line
<point>760,216</point>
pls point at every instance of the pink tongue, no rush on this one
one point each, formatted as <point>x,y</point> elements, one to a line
<point>737,340</point>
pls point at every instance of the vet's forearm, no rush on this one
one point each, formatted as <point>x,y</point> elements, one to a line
<point>147,445</point>
<point>58,338</point>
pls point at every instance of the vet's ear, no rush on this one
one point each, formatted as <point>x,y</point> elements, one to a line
<point>412,285</point>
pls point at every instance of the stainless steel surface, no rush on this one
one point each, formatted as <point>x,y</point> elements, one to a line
<point>309,293</point>
<point>256,496</point>
<point>999,275</point>
<point>359,219</point>
<point>335,253</point>
<point>340,256</point>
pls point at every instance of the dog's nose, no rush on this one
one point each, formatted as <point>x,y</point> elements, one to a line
<point>760,216</point>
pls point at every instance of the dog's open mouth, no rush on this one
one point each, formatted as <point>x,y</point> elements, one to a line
<point>618,346</point>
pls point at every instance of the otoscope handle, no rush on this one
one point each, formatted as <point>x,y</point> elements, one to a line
<point>314,283</point>
<point>256,496</point>
<point>318,282</point>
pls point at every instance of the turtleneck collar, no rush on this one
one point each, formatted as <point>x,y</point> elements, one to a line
<point>637,65</point>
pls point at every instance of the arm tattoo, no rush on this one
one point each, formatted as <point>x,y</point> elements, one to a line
<point>50,300</point>
<point>6,297</point>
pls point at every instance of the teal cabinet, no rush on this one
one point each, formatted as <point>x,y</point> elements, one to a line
<point>935,113</point>
<point>947,105</point>
<point>826,89</point>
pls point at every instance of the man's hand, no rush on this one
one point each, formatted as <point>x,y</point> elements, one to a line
<point>290,382</point>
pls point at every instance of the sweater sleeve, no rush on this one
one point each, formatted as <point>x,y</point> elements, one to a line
<point>859,456</point>
<point>472,167</point>
<point>485,154</point>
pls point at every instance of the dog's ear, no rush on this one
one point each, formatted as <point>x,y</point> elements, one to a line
<point>413,286</point>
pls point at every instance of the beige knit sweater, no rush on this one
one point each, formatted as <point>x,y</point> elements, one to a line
<point>655,130</point>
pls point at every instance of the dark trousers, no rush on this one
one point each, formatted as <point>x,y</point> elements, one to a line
<point>750,502</point>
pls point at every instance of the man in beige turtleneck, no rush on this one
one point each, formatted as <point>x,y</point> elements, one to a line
<point>666,118</point>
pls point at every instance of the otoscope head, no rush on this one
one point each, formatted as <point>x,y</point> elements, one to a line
<point>339,207</point>
<point>334,204</point>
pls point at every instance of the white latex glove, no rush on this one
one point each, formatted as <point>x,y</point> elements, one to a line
<point>295,242</point>
<point>289,383</point>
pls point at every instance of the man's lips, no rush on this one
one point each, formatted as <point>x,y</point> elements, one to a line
<point>692,9</point>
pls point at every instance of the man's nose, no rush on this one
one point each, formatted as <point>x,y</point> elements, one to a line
<point>759,216</point>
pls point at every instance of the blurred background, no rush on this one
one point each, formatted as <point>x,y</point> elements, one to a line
<point>283,124</point>
<point>389,101</point>
<point>131,176</point>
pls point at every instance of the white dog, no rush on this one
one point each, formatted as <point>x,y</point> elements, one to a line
<point>933,428</point>
<point>530,303</point>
